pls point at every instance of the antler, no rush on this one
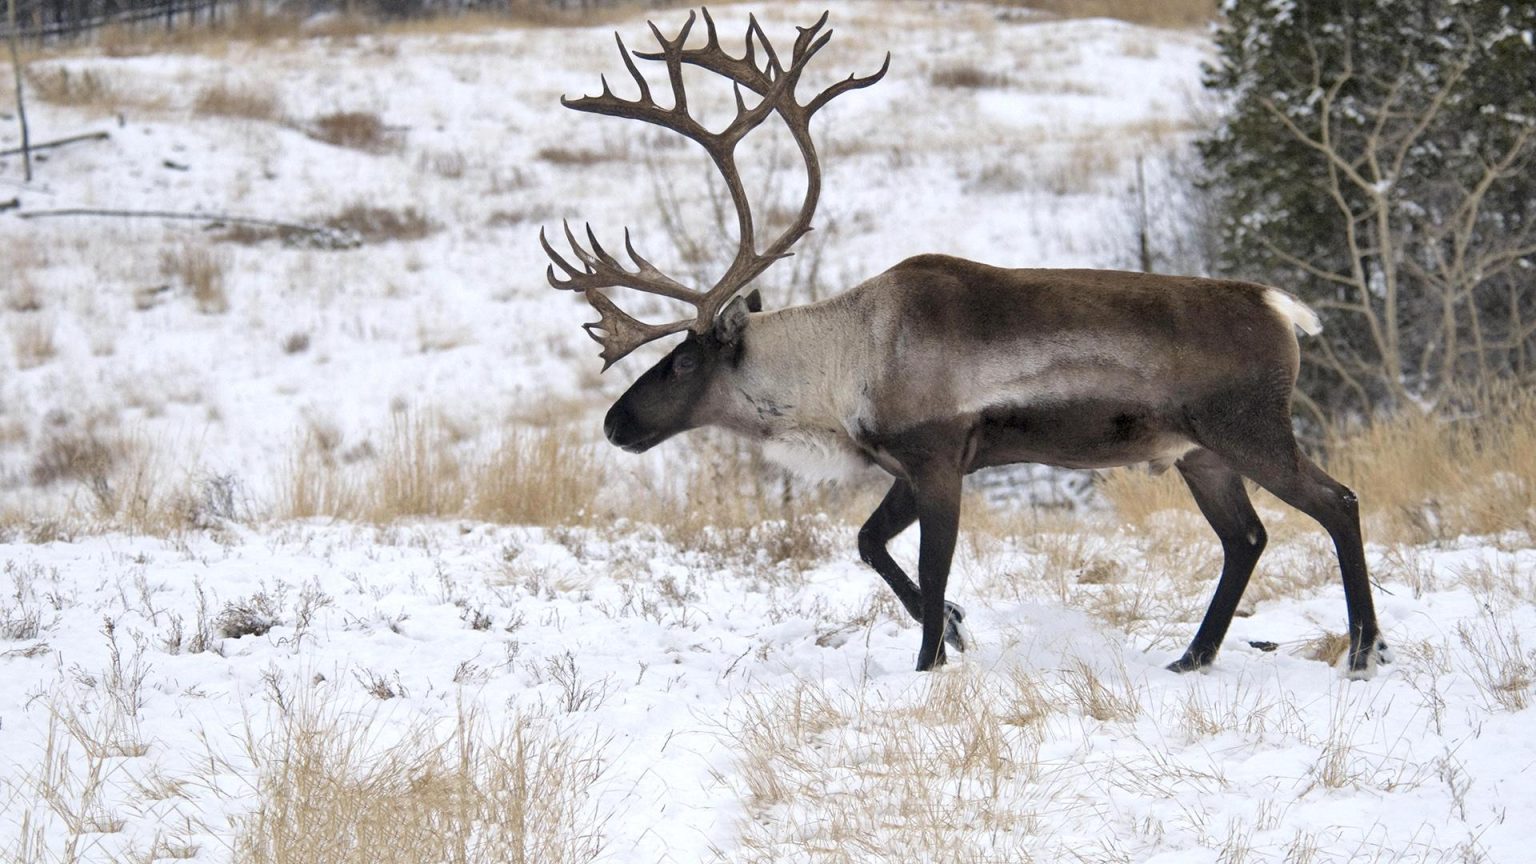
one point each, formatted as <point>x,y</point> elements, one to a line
<point>774,84</point>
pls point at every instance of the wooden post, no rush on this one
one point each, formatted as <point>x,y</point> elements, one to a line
<point>21,102</point>
<point>1143,241</point>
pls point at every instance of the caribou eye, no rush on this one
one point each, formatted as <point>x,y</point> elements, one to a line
<point>684,364</point>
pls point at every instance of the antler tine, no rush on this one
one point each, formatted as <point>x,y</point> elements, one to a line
<point>852,82</point>
<point>575,275</point>
<point>754,28</point>
<point>711,38</point>
<point>587,258</point>
<point>801,55</point>
<point>622,333</point>
<point>672,51</point>
<point>645,88</point>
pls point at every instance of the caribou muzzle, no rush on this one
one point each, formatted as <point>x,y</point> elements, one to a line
<point>624,431</point>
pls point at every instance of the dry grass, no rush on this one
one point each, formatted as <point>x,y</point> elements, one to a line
<point>448,164</point>
<point>736,505</point>
<point>733,505</point>
<point>967,77</point>
<point>417,472</point>
<point>951,772</point>
<point>424,468</point>
<point>200,272</point>
<point>1501,667</point>
<point>380,224</point>
<point>21,294</point>
<point>60,86</point>
<point>252,26</point>
<point>542,477</point>
<point>314,481</point>
<point>1174,14</point>
<point>1326,647</point>
<point>1421,478</point>
<point>1424,478</point>
<point>357,130</point>
<point>328,791</point>
<point>71,456</point>
<point>578,155</point>
<point>354,225</point>
<point>118,481</point>
<point>32,341</point>
<point>245,102</point>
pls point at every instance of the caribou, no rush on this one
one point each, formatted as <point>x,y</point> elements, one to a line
<point>941,366</point>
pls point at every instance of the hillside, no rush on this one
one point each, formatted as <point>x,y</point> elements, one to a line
<point>311,538</point>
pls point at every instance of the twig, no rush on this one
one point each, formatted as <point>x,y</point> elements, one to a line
<point>45,145</point>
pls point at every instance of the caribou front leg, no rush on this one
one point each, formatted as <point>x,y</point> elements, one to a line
<point>895,514</point>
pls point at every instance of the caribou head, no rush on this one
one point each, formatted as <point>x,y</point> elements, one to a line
<point>940,366</point>
<point>673,396</point>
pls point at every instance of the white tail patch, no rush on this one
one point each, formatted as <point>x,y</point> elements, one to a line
<point>1293,310</point>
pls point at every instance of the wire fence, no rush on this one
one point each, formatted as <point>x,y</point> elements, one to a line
<point>58,20</point>
<point>64,19</point>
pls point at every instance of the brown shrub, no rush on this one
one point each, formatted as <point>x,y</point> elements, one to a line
<point>359,130</point>
<point>378,224</point>
<point>576,155</point>
<point>967,77</point>
<point>222,100</point>
<point>75,456</point>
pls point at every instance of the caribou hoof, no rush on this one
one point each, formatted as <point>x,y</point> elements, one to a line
<point>1362,664</point>
<point>956,635</point>
<point>1189,663</point>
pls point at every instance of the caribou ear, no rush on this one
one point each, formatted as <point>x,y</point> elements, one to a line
<point>755,301</point>
<point>733,320</point>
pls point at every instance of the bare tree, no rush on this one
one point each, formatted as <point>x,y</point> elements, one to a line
<point>1428,287</point>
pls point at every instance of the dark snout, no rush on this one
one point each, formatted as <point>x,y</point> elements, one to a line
<point>623,430</point>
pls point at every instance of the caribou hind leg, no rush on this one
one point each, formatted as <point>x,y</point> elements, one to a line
<point>1265,451</point>
<point>896,513</point>
<point>1219,493</point>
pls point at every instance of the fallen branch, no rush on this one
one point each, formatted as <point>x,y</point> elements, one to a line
<point>320,236</point>
<point>73,139</point>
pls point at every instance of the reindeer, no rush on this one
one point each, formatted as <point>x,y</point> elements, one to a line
<point>940,366</point>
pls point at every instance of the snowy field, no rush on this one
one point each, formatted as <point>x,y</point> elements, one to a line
<point>263,598</point>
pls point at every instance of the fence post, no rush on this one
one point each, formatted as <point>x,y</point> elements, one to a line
<point>21,100</point>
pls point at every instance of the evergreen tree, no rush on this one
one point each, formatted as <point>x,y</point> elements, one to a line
<point>1377,158</point>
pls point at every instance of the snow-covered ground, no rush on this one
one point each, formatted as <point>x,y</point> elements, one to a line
<point>709,703</point>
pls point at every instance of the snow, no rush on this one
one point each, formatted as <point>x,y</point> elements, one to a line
<point>671,664</point>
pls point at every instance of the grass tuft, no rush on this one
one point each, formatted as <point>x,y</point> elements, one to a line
<point>357,130</point>
<point>200,272</point>
<point>380,224</point>
<point>223,100</point>
<point>967,77</point>
<point>328,791</point>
